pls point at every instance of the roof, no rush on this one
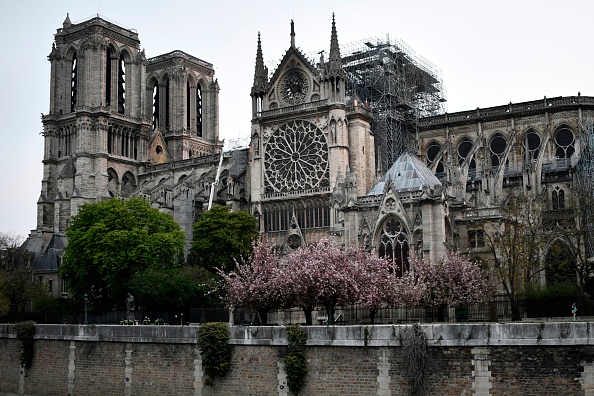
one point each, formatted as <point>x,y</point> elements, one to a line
<point>408,174</point>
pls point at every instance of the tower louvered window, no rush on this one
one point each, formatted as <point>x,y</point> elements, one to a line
<point>73,83</point>
<point>121,85</point>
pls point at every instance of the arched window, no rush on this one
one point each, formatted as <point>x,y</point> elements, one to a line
<point>108,56</point>
<point>564,142</point>
<point>531,147</point>
<point>155,105</point>
<point>73,82</point>
<point>198,110</point>
<point>167,97</point>
<point>432,152</point>
<point>497,147</point>
<point>121,85</point>
<point>558,198</point>
<point>393,245</point>
<point>188,105</point>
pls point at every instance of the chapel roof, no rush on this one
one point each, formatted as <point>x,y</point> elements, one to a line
<point>408,174</point>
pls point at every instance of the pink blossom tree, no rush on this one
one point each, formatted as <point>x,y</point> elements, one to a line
<point>453,280</point>
<point>376,280</point>
<point>324,274</point>
<point>255,282</point>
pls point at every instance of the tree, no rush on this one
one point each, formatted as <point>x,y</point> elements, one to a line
<point>174,288</point>
<point>111,241</point>
<point>515,243</point>
<point>257,281</point>
<point>453,280</point>
<point>10,243</point>
<point>220,237</point>
<point>16,288</point>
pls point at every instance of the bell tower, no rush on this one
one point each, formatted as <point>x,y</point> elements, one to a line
<point>96,130</point>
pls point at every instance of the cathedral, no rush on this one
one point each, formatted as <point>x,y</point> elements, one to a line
<point>330,154</point>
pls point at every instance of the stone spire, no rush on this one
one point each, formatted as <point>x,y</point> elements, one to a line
<point>66,24</point>
<point>334,59</point>
<point>261,71</point>
<point>292,34</point>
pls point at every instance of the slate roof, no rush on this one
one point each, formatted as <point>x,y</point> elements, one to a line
<point>408,174</point>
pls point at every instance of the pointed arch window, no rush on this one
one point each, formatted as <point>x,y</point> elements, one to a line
<point>155,119</point>
<point>198,110</point>
<point>431,155</point>
<point>564,142</point>
<point>558,198</point>
<point>393,245</point>
<point>73,82</point>
<point>167,98</point>
<point>188,105</point>
<point>531,147</point>
<point>121,85</point>
<point>497,147</point>
<point>109,55</point>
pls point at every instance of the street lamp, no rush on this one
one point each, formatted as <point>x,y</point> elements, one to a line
<point>86,301</point>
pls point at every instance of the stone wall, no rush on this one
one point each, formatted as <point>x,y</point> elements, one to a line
<point>554,358</point>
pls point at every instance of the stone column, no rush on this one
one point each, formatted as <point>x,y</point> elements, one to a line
<point>128,371</point>
<point>383,378</point>
<point>283,388</point>
<point>198,375</point>
<point>587,379</point>
<point>71,368</point>
<point>483,381</point>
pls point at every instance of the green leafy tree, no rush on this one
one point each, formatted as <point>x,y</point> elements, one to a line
<point>174,288</point>
<point>111,241</point>
<point>220,237</point>
<point>17,288</point>
<point>10,243</point>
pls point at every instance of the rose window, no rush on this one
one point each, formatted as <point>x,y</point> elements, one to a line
<point>294,87</point>
<point>296,158</point>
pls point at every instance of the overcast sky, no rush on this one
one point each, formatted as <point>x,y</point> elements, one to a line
<point>490,53</point>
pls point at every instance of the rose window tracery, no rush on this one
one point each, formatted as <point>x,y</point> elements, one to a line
<point>296,158</point>
<point>294,87</point>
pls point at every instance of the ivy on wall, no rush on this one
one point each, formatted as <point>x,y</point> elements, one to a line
<point>213,342</point>
<point>295,363</point>
<point>25,332</point>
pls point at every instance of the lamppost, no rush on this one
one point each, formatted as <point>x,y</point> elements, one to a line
<point>86,301</point>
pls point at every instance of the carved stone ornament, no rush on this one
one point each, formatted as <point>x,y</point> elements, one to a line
<point>294,87</point>
<point>296,157</point>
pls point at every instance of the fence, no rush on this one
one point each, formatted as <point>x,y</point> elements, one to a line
<point>499,310</point>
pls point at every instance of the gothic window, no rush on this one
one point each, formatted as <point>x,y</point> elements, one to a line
<point>155,105</point>
<point>497,147</point>
<point>199,110</point>
<point>558,198</point>
<point>188,105</point>
<point>476,238</point>
<point>310,213</point>
<point>431,155</point>
<point>294,241</point>
<point>531,147</point>
<point>109,55</point>
<point>393,245</point>
<point>73,83</point>
<point>464,149</point>
<point>121,85</point>
<point>167,98</point>
<point>564,142</point>
<point>296,158</point>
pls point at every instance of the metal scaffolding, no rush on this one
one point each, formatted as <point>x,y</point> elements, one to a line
<point>399,86</point>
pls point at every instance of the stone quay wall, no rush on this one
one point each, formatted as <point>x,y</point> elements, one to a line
<point>547,358</point>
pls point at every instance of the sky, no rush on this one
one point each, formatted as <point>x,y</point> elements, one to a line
<point>489,53</point>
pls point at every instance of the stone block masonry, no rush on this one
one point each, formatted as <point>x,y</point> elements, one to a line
<point>464,359</point>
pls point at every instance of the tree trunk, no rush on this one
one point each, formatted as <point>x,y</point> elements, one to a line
<point>331,313</point>
<point>372,312</point>
<point>308,311</point>
<point>441,313</point>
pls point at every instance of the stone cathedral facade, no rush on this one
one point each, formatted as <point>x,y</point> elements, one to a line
<point>123,125</point>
